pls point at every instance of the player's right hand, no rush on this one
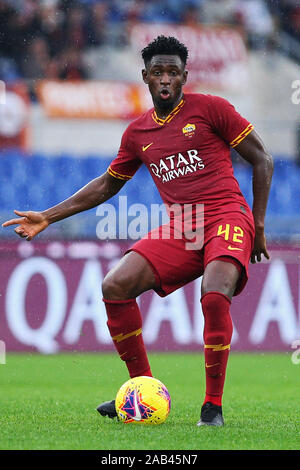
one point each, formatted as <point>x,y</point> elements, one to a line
<point>29,223</point>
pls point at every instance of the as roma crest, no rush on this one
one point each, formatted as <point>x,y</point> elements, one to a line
<point>189,130</point>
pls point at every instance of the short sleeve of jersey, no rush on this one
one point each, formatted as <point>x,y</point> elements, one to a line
<point>126,163</point>
<point>228,123</point>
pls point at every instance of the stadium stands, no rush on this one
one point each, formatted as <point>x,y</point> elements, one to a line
<point>49,39</point>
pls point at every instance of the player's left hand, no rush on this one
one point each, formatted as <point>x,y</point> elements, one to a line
<point>260,247</point>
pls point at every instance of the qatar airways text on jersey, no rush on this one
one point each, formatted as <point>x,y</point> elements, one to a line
<point>177,165</point>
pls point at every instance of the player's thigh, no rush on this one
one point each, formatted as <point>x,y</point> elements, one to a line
<point>173,264</point>
<point>129,278</point>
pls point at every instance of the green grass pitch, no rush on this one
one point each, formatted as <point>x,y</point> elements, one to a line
<point>49,402</point>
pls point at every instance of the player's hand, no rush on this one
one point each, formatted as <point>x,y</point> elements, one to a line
<point>260,247</point>
<point>29,223</point>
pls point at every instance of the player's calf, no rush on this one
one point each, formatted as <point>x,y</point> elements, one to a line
<point>125,327</point>
<point>217,337</point>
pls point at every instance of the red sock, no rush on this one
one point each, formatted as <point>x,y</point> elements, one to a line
<point>217,336</point>
<point>125,326</point>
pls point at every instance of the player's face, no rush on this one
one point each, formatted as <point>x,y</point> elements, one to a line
<point>165,75</point>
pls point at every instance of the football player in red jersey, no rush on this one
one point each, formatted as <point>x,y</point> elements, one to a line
<point>185,142</point>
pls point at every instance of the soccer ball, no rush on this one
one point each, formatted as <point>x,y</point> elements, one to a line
<point>143,400</point>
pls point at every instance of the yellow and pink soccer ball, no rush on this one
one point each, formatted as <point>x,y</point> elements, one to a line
<point>144,400</point>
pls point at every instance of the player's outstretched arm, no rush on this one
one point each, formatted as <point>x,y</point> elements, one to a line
<point>97,191</point>
<point>253,150</point>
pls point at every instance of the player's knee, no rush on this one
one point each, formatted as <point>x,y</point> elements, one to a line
<point>114,287</point>
<point>226,288</point>
<point>220,276</point>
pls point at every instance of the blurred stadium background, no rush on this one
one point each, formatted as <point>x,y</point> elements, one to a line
<point>72,76</point>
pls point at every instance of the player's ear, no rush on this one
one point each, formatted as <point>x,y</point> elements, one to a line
<point>145,76</point>
<point>185,74</point>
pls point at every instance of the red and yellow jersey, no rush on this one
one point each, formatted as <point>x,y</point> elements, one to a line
<point>188,153</point>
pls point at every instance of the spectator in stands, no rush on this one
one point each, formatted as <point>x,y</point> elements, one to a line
<point>51,19</point>
<point>255,18</point>
<point>15,29</point>
<point>36,60</point>
<point>218,11</point>
<point>75,33</point>
<point>71,65</point>
<point>191,16</point>
<point>96,28</point>
<point>286,14</point>
<point>295,21</point>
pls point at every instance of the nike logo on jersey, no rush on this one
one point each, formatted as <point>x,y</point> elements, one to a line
<point>145,147</point>
<point>234,248</point>
<point>138,415</point>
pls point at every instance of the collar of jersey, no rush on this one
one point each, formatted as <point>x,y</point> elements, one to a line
<point>169,118</point>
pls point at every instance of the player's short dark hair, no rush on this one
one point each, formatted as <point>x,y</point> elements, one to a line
<point>165,45</point>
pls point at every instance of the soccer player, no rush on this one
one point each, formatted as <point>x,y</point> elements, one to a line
<point>185,142</point>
